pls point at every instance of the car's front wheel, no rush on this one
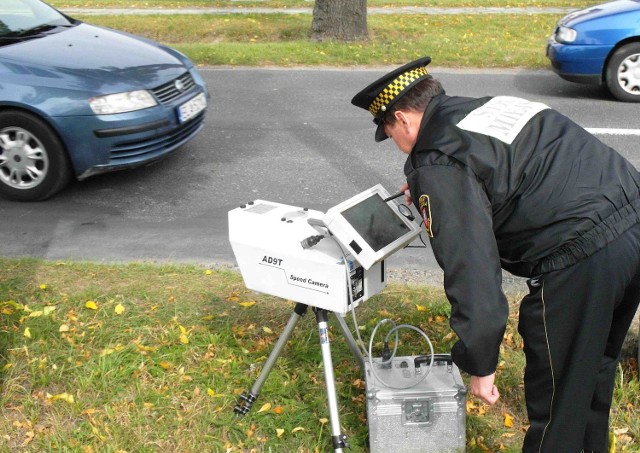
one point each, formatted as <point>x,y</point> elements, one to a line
<point>33,161</point>
<point>623,73</point>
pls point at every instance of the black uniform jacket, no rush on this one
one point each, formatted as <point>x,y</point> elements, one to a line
<point>504,182</point>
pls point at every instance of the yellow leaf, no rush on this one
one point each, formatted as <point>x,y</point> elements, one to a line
<point>279,432</point>
<point>612,443</point>
<point>91,305</point>
<point>35,314</point>
<point>208,272</point>
<point>265,407</point>
<point>247,304</point>
<point>63,328</point>
<point>27,332</point>
<point>213,394</point>
<point>43,286</point>
<point>421,307</point>
<point>297,428</point>
<point>323,421</point>
<point>119,309</point>
<point>184,339</point>
<point>508,421</point>
<point>61,396</point>
<point>440,318</point>
<point>164,364</point>
<point>48,310</point>
<point>267,330</point>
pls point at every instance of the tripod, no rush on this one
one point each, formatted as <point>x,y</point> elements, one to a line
<point>246,400</point>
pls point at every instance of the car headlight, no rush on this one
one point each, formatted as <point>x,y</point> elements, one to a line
<point>122,102</point>
<point>566,34</point>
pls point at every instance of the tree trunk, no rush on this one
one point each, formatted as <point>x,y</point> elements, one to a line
<point>344,20</point>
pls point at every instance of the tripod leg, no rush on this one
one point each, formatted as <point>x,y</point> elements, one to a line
<point>339,440</point>
<point>245,400</point>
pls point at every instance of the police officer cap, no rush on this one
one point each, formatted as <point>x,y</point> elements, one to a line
<point>384,92</point>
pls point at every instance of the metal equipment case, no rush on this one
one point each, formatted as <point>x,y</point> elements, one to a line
<point>409,415</point>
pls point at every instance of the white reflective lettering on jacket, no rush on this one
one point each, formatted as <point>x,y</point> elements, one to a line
<point>503,117</point>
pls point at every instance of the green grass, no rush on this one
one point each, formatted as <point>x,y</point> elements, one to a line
<point>145,358</point>
<point>309,4</point>
<point>485,41</point>
<point>282,40</point>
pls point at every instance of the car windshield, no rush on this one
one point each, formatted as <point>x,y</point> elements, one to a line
<point>24,19</point>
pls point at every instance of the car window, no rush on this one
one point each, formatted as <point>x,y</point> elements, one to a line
<point>17,16</point>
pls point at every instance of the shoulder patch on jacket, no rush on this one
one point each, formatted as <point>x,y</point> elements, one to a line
<point>502,117</point>
<point>425,211</point>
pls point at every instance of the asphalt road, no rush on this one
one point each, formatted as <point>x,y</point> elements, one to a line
<point>289,136</point>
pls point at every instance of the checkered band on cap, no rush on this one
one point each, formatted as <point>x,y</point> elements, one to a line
<point>395,88</point>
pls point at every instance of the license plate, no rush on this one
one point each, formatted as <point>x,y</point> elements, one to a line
<point>192,107</point>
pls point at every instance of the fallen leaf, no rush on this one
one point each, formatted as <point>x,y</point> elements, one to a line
<point>508,420</point>
<point>267,330</point>
<point>278,410</point>
<point>119,309</point>
<point>213,394</point>
<point>324,421</point>
<point>91,305</point>
<point>184,339</point>
<point>27,332</point>
<point>265,407</point>
<point>297,428</point>
<point>63,328</point>
<point>279,432</point>
<point>247,304</point>
<point>61,396</point>
<point>165,365</point>
<point>421,307</point>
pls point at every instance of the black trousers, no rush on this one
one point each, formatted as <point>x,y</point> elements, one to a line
<point>574,322</point>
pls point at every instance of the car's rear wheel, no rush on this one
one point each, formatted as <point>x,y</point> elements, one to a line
<point>33,162</point>
<point>623,73</point>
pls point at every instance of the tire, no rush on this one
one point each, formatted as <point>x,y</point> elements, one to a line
<point>623,73</point>
<point>33,162</point>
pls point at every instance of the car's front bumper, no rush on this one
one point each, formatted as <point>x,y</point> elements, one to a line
<point>578,63</point>
<point>104,143</point>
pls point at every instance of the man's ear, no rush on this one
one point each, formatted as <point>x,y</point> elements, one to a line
<point>401,117</point>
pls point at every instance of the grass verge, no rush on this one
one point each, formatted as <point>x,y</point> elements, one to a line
<point>480,41</point>
<point>142,357</point>
<point>309,3</point>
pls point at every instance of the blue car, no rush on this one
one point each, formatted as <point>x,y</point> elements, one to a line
<point>77,100</point>
<point>600,45</point>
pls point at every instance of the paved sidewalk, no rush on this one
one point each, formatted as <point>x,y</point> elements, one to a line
<point>395,10</point>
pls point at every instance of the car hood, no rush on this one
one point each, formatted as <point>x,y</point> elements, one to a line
<point>603,10</point>
<point>114,61</point>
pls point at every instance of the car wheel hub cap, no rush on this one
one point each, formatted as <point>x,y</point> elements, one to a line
<point>23,160</point>
<point>629,74</point>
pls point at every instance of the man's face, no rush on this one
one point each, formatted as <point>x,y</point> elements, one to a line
<point>404,131</point>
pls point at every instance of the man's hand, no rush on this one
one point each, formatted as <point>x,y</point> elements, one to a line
<point>483,388</point>
<point>407,195</point>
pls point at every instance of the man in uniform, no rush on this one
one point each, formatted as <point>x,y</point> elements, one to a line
<point>502,182</point>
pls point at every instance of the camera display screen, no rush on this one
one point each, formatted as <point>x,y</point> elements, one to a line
<point>375,222</point>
